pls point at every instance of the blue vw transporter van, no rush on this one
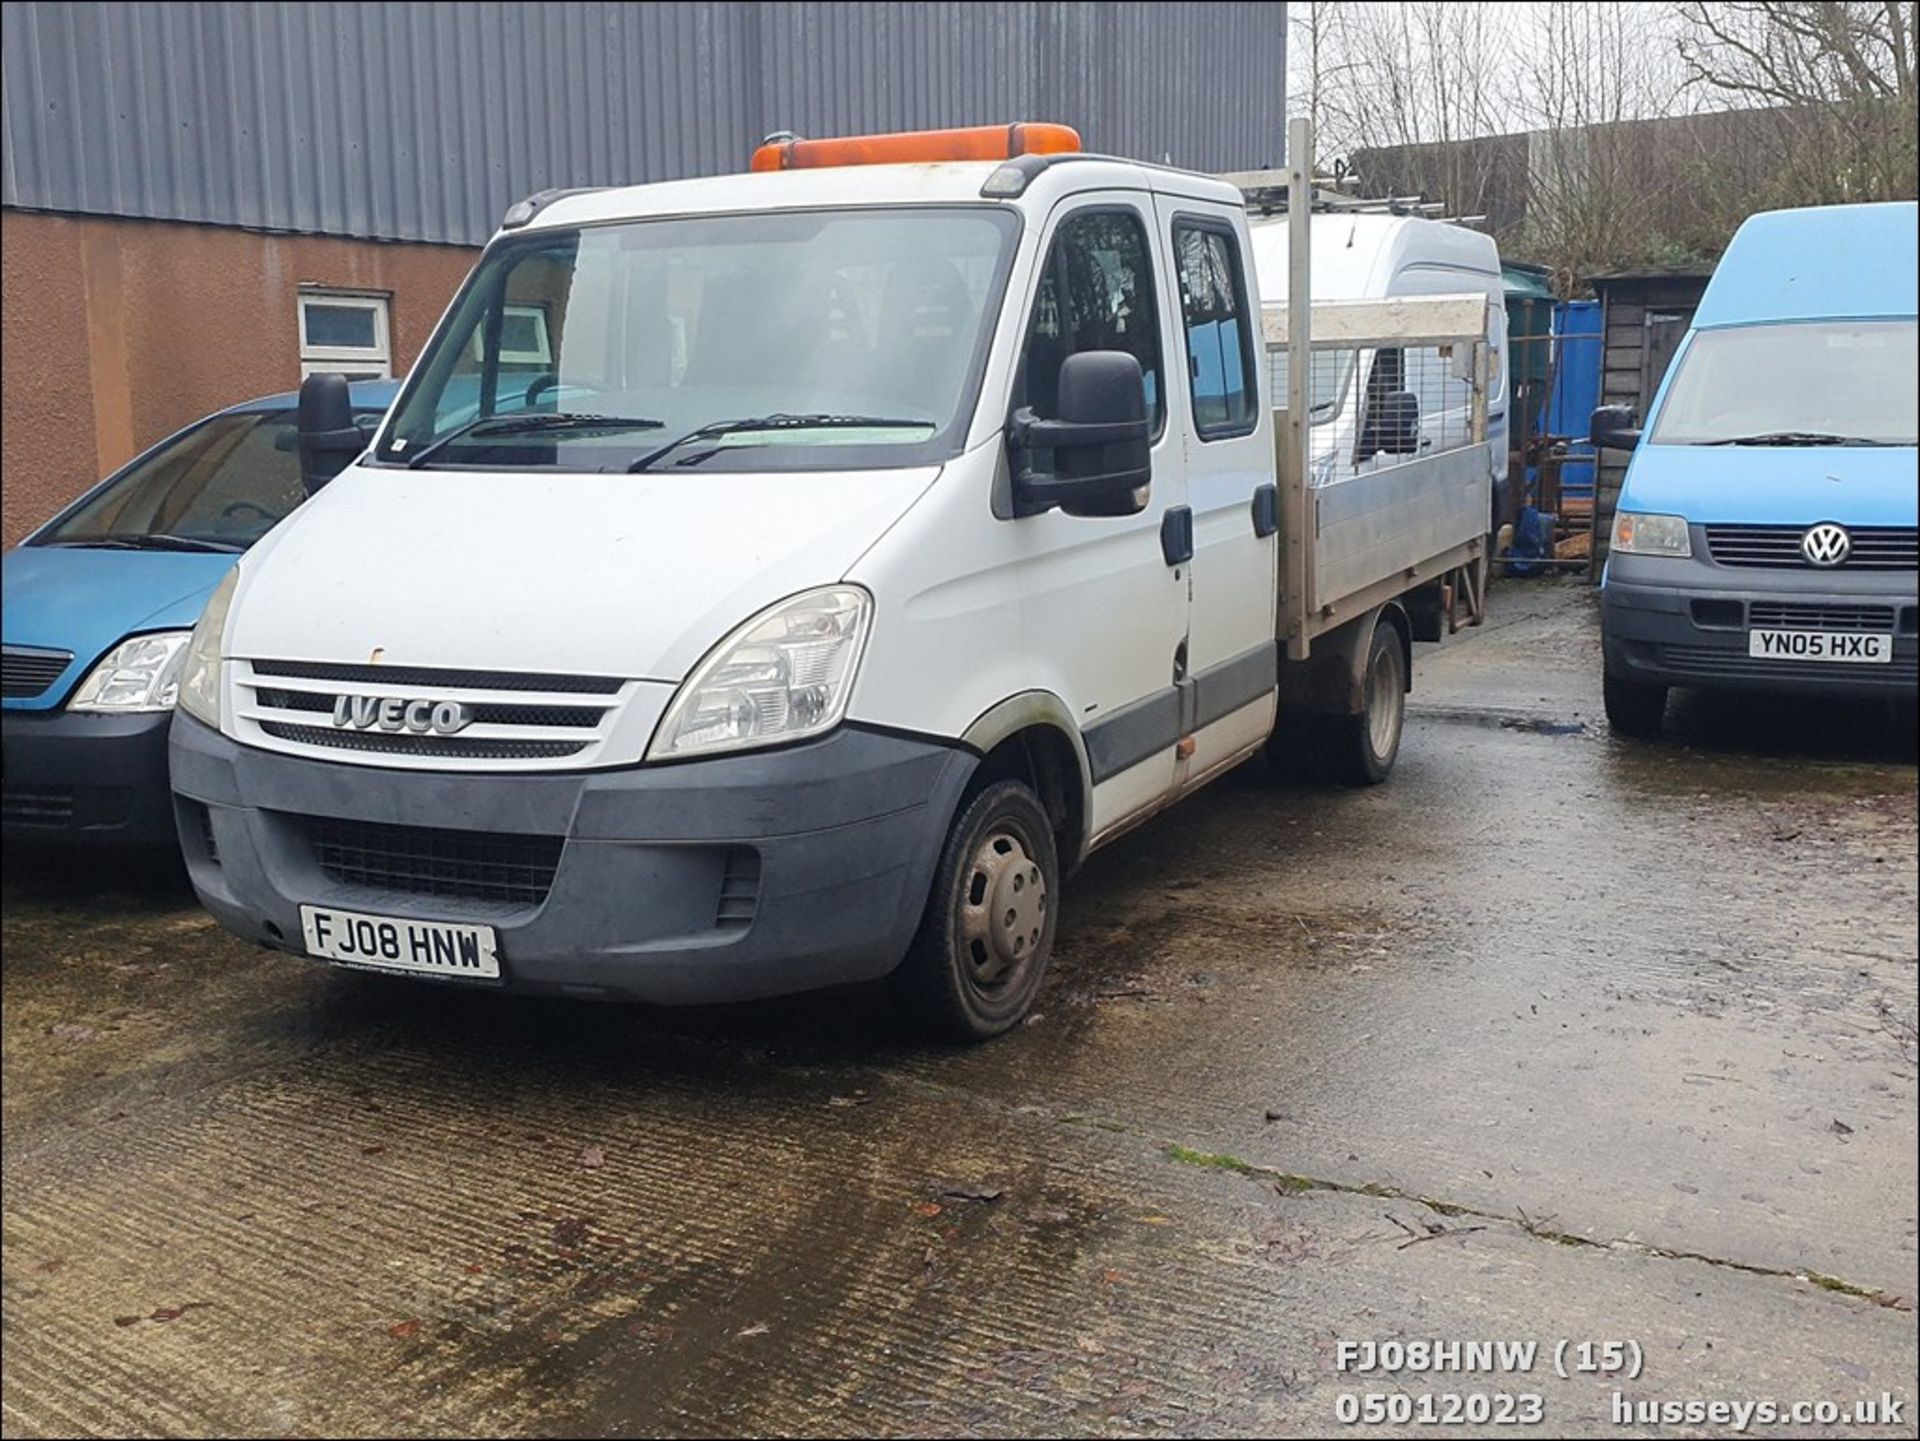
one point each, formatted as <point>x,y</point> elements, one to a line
<point>1765,538</point>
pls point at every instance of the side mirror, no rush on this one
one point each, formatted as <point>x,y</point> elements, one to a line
<point>1393,424</point>
<point>1100,443</point>
<point>1613,427</point>
<point>328,436</point>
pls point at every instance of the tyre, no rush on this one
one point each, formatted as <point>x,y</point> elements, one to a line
<point>976,962</point>
<point>1361,749</point>
<point>1634,708</point>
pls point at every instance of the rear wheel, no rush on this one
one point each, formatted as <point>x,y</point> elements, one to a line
<point>1363,747</point>
<point>1634,708</point>
<point>982,948</point>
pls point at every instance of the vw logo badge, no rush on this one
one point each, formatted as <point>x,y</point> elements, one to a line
<point>1826,544</point>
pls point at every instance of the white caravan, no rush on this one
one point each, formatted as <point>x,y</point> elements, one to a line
<point>784,579</point>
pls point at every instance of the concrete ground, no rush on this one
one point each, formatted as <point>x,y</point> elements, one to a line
<point>1553,1038</point>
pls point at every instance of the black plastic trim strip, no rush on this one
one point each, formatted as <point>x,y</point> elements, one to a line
<point>1222,689</point>
<point>1133,734</point>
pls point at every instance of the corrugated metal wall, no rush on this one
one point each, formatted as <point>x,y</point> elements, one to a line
<point>425,121</point>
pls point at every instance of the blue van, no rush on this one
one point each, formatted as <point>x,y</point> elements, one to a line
<point>1766,534</point>
<point>99,602</point>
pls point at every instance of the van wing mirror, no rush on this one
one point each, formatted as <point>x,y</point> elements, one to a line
<point>1100,442</point>
<point>328,436</point>
<point>1614,428</point>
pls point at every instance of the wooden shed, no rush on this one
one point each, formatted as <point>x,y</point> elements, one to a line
<point>1644,313</point>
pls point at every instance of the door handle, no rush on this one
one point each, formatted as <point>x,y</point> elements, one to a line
<point>1176,534</point>
<point>1266,511</point>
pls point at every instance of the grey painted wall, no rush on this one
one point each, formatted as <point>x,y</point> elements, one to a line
<point>425,121</point>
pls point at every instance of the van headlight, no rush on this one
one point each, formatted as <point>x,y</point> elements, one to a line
<point>141,673</point>
<point>782,676</point>
<point>1636,534</point>
<point>200,680</point>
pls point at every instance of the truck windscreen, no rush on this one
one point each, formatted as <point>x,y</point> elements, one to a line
<point>582,349</point>
<point>1816,382</point>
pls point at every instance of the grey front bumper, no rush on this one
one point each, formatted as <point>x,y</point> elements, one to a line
<point>712,880</point>
<point>1685,623</point>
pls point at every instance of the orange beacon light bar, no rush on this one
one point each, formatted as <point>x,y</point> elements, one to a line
<point>978,142</point>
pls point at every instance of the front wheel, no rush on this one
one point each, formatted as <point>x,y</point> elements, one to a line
<point>977,961</point>
<point>1365,746</point>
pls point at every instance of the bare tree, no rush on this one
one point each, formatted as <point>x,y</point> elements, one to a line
<point>1835,78</point>
<point>1598,188</point>
<point>1427,74</point>
<point>1322,69</point>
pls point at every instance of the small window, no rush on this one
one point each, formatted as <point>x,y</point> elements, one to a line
<point>1219,342</point>
<point>344,334</point>
<point>1095,294</point>
<point>523,337</point>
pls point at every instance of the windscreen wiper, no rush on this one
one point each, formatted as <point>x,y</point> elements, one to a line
<point>530,425</point>
<point>752,423</point>
<point>1798,437</point>
<point>157,541</point>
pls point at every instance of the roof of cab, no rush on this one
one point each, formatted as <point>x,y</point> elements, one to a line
<point>946,182</point>
<point>365,395</point>
<point>1825,262</point>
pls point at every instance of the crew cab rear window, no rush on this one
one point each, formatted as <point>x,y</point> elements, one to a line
<point>1096,293</point>
<point>1219,350</point>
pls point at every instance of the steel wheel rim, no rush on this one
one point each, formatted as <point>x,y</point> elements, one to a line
<point>1003,910</point>
<point>1383,710</point>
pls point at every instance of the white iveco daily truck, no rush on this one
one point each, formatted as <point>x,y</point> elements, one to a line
<point>783,579</point>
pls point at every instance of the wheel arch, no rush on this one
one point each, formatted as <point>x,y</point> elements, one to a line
<point>1331,681</point>
<point>1032,737</point>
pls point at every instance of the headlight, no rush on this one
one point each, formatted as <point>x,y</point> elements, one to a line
<point>783,675</point>
<point>1635,534</point>
<point>200,680</point>
<point>141,674</point>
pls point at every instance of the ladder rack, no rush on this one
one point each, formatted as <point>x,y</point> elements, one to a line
<point>1266,193</point>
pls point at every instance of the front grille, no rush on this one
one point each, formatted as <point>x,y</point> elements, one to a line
<point>376,675</point>
<point>466,865</point>
<point>1874,547</point>
<point>26,673</point>
<point>438,747</point>
<point>739,890</point>
<point>1714,661</point>
<point>1777,615</point>
<point>37,805</point>
<point>580,716</point>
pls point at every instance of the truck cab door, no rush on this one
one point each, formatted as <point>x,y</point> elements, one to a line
<point>1217,361</point>
<point>1104,601</point>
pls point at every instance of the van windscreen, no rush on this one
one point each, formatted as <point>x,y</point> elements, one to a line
<point>844,339</point>
<point>1814,382</point>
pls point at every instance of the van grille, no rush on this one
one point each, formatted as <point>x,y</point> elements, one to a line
<point>1715,661</point>
<point>316,702</point>
<point>26,673</point>
<point>511,717</point>
<point>1772,615</point>
<point>739,890</point>
<point>37,805</point>
<point>434,676</point>
<point>1875,547</point>
<point>418,860</point>
<point>443,747</point>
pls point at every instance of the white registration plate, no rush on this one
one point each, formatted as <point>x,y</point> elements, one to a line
<point>1822,645</point>
<point>389,943</point>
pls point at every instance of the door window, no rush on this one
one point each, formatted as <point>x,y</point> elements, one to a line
<point>1219,351</point>
<point>1096,293</point>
